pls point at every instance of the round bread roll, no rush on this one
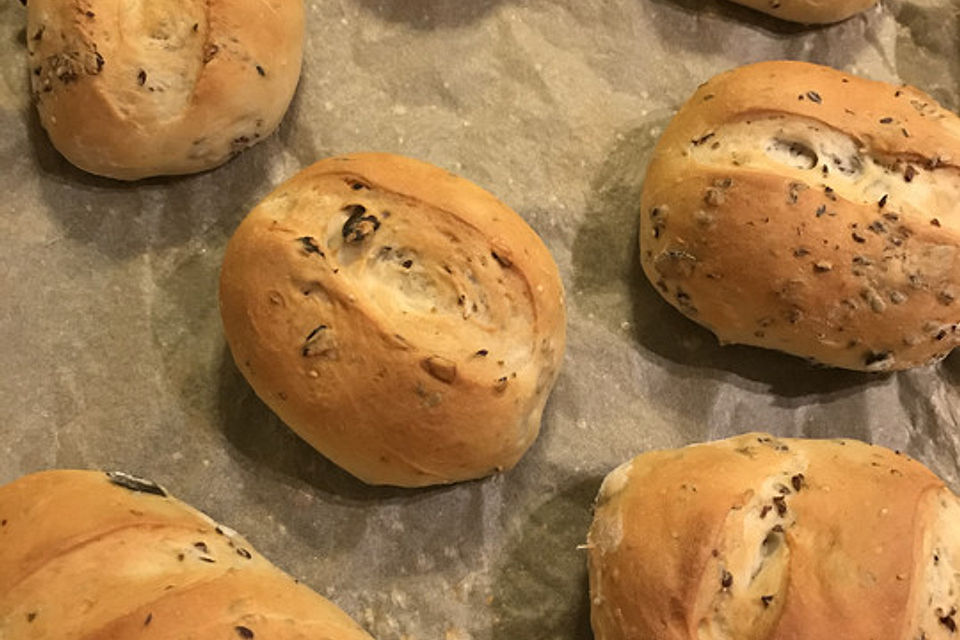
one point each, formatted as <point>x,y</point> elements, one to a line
<point>810,11</point>
<point>131,90</point>
<point>87,555</point>
<point>795,207</point>
<point>758,538</point>
<point>399,318</point>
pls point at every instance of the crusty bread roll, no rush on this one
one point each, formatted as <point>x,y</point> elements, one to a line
<point>810,11</point>
<point>796,207</point>
<point>86,555</point>
<point>759,538</point>
<point>402,320</point>
<point>136,89</point>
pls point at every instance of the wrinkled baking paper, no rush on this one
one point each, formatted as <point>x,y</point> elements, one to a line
<point>112,353</point>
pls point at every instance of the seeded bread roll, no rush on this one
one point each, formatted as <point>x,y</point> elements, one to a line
<point>810,11</point>
<point>400,319</point>
<point>131,90</point>
<point>795,207</point>
<point>758,538</point>
<point>86,555</point>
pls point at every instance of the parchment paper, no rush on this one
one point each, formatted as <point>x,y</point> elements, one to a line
<point>112,356</point>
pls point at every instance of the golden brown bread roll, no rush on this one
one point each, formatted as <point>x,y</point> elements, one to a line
<point>130,90</point>
<point>86,555</point>
<point>795,207</point>
<point>760,538</point>
<point>400,319</point>
<point>810,11</point>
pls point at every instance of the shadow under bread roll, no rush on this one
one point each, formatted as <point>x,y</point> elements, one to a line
<point>399,318</point>
<point>763,538</point>
<point>810,11</point>
<point>130,90</point>
<point>799,208</point>
<point>86,555</point>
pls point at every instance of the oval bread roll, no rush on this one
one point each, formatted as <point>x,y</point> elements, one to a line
<point>136,89</point>
<point>86,555</point>
<point>402,320</point>
<point>759,538</point>
<point>795,207</point>
<point>810,11</point>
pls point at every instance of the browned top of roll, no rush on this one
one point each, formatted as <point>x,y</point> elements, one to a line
<point>401,319</point>
<point>130,90</point>
<point>796,207</point>
<point>760,538</point>
<point>86,555</point>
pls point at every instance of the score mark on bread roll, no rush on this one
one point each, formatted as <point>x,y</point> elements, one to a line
<point>130,90</point>
<point>400,319</point>
<point>795,207</point>
<point>763,538</point>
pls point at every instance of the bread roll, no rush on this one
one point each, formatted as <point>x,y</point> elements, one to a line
<point>400,319</point>
<point>759,538</point>
<point>810,11</point>
<point>795,207</point>
<point>135,89</point>
<point>86,555</point>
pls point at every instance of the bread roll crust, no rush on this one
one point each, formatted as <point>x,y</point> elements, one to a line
<point>399,318</point>
<point>795,207</point>
<point>763,538</point>
<point>163,87</point>
<point>86,558</point>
